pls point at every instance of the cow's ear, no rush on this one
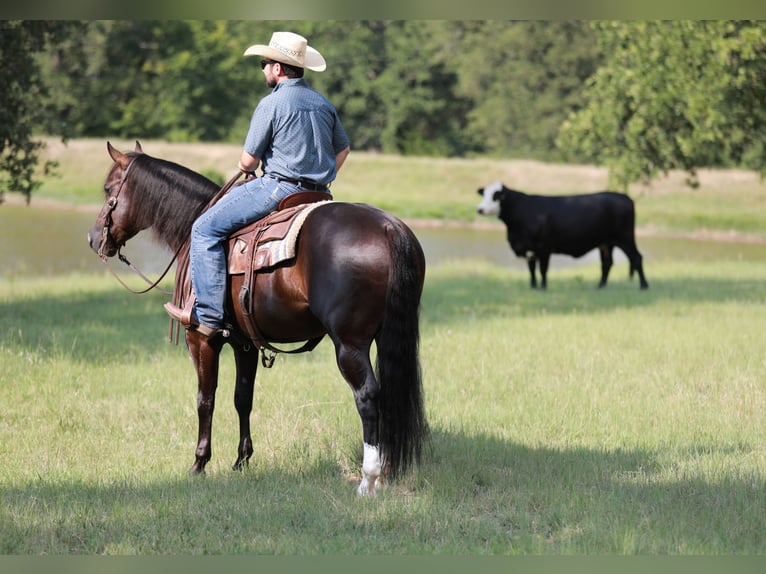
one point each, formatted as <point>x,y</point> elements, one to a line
<point>498,195</point>
<point>480,191</point>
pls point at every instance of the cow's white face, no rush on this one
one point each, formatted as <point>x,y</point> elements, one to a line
<point>489,205</point>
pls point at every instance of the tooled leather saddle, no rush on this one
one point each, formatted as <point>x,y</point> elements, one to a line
<point>256,248</point>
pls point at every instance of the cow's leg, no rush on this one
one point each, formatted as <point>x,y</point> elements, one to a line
<point>606,263</point>
<point>545,258</point>
<point>247,366</point>
<point>531,263</point>
<point>639,267</point>
<point>205,354</point>
<point>636,262</point>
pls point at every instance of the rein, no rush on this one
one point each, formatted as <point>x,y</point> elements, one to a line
<point>152,285</point>
<point>111,205</point>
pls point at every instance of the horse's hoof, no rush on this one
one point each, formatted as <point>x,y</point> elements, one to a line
<point>364,492</point>
<point>194,471</point>
<point>367,487</point>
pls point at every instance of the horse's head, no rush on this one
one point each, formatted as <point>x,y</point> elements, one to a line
<point>113,226</point>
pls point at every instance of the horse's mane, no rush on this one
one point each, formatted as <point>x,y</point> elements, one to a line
<point>167,197</point>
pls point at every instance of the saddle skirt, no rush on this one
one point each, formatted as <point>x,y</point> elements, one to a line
<point>268,241</point>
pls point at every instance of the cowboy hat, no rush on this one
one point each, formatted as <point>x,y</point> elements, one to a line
<point>291,49</point>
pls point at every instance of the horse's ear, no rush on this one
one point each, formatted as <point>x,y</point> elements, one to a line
<point>120,158</point>
<point>138,148</point>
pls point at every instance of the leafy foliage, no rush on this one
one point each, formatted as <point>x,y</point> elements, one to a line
<point>23,92</point>
<point>411,87</point>
<point>640,97</point>
<point>674,95</point>
<point>521,81</point>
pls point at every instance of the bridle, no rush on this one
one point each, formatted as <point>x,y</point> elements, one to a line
<point>109,207</point>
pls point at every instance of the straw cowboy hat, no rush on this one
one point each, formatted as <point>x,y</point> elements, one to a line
<point>289,48</point>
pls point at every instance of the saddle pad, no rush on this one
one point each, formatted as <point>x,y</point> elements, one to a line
<point>273,243</point>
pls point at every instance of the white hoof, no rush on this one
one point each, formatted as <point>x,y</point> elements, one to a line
<point>364,488</point>
<point>370,471</point>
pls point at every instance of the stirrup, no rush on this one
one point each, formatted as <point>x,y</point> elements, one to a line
<point>183,316</point>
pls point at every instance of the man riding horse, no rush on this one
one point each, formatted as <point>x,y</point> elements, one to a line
<point>297,138</point>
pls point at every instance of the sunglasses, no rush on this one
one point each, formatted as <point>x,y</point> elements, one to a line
<point>265,63</point>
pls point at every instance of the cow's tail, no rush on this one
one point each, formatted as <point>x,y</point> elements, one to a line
<point>402,428</point>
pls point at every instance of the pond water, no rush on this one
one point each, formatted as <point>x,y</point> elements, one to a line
<point>38,241</point>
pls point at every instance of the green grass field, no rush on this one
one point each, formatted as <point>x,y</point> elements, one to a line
<point>574,421</point>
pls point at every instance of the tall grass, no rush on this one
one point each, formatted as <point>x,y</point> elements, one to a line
<point>572,421</point>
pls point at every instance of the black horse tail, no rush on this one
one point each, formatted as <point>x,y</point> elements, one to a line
<point>402,425</point>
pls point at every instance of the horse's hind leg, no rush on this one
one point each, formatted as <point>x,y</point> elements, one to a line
<point>354,364</point>
<point>247,366</point>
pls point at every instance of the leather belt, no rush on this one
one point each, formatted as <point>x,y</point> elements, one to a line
<point>304,183</point>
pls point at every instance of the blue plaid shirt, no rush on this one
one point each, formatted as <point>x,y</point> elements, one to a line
<point>296,132</point>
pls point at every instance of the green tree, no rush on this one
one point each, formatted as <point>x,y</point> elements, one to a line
<point>174,80</point>
<point>356,58</point>
<point>673,95</point>
<point>523,79</point>
<point>392,85</point>
<point>192,85</point>
<point>436,87</point>
<point>22,113</point>
<point>424,115</point>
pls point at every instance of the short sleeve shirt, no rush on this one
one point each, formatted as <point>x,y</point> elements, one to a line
<point>296,132</point>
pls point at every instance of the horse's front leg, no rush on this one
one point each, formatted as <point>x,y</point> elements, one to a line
<point>247,366</point>
<point>205,355</point>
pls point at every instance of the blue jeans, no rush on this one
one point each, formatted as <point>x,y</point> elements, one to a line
<point>241,206</point>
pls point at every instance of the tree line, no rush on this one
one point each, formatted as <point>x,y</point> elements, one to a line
<point>638,97</point>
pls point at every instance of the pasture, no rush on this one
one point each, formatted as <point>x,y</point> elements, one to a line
<point>575,421</point>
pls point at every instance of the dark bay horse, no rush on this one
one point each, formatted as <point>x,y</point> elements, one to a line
<point>357,277</point>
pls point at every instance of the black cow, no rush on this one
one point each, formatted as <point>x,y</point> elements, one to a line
<point>568,224</point>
